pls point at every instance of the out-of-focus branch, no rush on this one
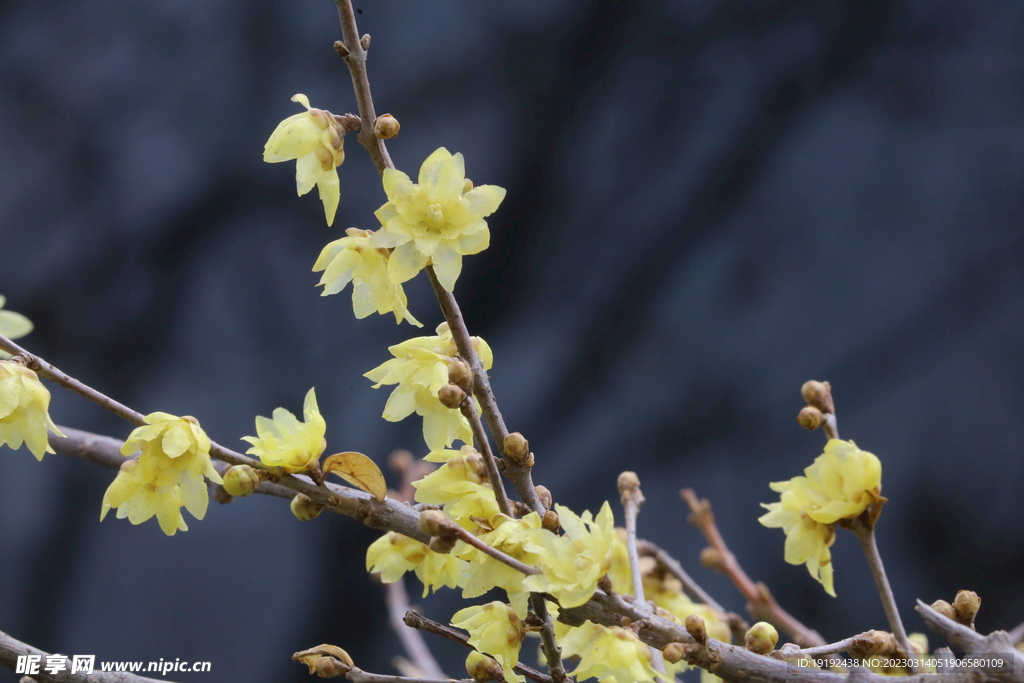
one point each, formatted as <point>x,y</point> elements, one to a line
<point>11,649</point>
<point>415,647</point>
<point>760,602</point>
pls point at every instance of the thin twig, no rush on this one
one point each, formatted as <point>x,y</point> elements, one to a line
<point>760,602</point>
<point>357,675</point>
<point>412,640</point>
<point>11,649</point>
<point>552,652</point>
<point>480,437</point>
<point>632,498</point>
<point>494,552</point>
<point>831,648</point>
<point>972,642</point>
<point>418,621</point>
<point>672,566</point>
<point>866,535</point>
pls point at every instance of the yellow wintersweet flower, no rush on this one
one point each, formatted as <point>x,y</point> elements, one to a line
<point>420,369</point>
<point>168,474</point>
<point>287,443</point>
<point>439,220</point>
<point>394,554</point>
<point>315,140</point>
<point>447,483</point>
<point>12,325</point>
<point>24,403</point>
<point>612,653</point>
<point>574,562</point>
<point>494,629</point>
<point>842,483</point>
<point>353,259</point>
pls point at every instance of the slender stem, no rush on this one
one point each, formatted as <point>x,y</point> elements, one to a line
<point>552,652</point>
<point>831,648</point>
<point>480,436</point>
<point>675,569</point>
<point>494,552</point>
<point>418,621</point>
<point>632,499</point>
<point>412,640</point>
<point>357,675</point>
<point>866,535</point>
<point>829,426</point>
<point>761,604</point>
<point>11,649</point>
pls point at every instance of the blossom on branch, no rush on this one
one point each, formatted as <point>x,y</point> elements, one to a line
<point>438,220</point>
<point>24,406</point>
<point>394,554</point>
<point>167,475</point>
<point>420,368</point>
<point>287,443</point>
<point>843,482</point>
<point>315,140</point>
<point>353,259</point>
<point>494,629</point>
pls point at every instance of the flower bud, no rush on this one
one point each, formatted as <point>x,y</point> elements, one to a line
<point>872,643</point>
<point>451,396</point>
<point>761,638</point>
<point>365,41</point>
<point>460,374</point>
<point>305,509</point>
<point>516,447</point>
<point>443,544</point>
<point>673,653</point>
<point>326,661</point>
<point>699,632</point>
<point>819,395</point>
<point>966,605</point>
<point>385,127</point>
<point>550,521</point>
<point>241,480</point>
<point>628,482</point>
<point>434,522</point>
<point>483,668</point>
<point>400,460</point>
<point>329,667</point>
<point>809,418</point>
<point>544,496</point>
<point>945,609</point>
<point>710,558</point>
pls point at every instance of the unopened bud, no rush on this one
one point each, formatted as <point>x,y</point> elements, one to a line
<point>712,559</point>
<point>241,480</point>
<point>673,653</point>
<point>809,418</point>
<point>544,496</point>
<point>550,521</point>
<point>483,668</point>
<point>818,394</point>
<point>628,482</point>
<point>945,609</point>
<point>872,643</point>
<point>443,544</point>
<point>697,630</point>
<point>451,396</point>
<point>305,509</point>
<point>460,374</point>
<point>329,667</point>
<point>434,522</point>
<point>966,605</point>
<point>516,447</point>
<point>385,127</point>
<point>761,638</point>
<point>365,41</point>
<point>400,460</point>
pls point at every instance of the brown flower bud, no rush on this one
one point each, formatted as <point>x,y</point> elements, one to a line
<point>339,662</point>
<point>628,482</point>
<point>966,605</point>
<point>809,418</point>
<point>305,509</point>
<point>697,630</point>
<point>544,495</point>
<point>482,668</point>
<point>400,460</point>
<point>673,652</point>
<point>443,544</point>
<point>710,558</point>
<point>434,522</point>
<point>819,395</point>
<point>385,127</point>
<point>516,447</point>
<point>761,638</point>
<point>550,521</point>
<point>451,396</point>
<point>365,41</point>
<point>945,609</point>
<point>872,643</point>
<point>460,374</point>
<point>329,667</point>
<point>241,480</point>
<point>467,185</point>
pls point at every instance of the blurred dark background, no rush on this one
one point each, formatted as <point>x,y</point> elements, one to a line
<point>709,202</point>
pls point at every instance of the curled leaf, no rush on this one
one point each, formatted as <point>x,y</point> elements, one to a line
<point>311,656</point>
<point>358,470</point>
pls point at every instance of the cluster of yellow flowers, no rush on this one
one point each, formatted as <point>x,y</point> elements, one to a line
<point>168,473</point>
<point>842,483</point>
<point>435,221</point>
<point>420,368</point>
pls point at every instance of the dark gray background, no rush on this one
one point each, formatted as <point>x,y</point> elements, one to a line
<point>708,203</point>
